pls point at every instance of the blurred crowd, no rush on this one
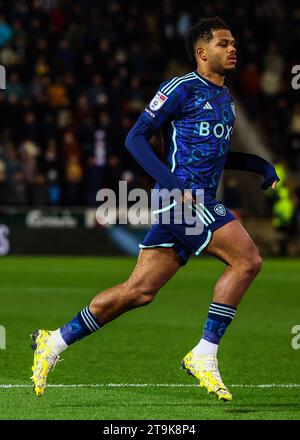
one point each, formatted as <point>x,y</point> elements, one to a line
<point>80,72</point>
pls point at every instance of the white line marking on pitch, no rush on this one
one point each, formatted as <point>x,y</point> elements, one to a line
<point>150,385</point>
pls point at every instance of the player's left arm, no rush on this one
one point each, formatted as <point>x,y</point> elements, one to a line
<point>251,162</point>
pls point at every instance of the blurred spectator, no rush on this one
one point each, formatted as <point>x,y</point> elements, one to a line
<point>29,152</point>
<point>54,188</point>
<point>94,180</point>
<point>271,77</point>
<point>19,195</point>
<point>5,31</point>
<point>14,87</point>
<point>39,191</point>
<point>57,95</point>
<point>250,88</point>
<point>73,178</point>
<point>5,192</point>
<point>30,127</point>
<point>70,147</point>
<point>9,57</point>
<point>97,94</point>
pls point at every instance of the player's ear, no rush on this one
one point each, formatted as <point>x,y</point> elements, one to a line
<point>201,53</point>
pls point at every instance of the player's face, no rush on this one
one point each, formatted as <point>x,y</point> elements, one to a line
<point>221,52</point>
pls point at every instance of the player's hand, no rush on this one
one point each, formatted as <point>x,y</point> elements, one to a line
<point>270,180</point>
<point>188,197</point>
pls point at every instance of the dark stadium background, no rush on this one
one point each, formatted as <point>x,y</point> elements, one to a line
<point>78,74</point>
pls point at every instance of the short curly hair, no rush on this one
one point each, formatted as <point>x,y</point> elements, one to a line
<point>202,30</point>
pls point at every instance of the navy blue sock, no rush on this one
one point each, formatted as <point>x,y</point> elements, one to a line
<point>82,325</point>
<point>219,318</point>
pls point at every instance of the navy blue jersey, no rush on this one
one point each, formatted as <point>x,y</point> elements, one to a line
<point>196,118</point>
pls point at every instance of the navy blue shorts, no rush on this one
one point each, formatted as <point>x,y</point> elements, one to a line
<point>212,215</point>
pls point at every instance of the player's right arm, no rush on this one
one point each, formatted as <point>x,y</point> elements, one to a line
<point>162,107</point>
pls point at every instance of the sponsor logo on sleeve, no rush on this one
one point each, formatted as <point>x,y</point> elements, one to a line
<point>158,101</point>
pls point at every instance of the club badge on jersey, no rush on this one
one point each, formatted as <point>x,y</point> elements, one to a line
<point>220,210</point>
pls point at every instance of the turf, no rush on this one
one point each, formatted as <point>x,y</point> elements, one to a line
<point>145,346</point>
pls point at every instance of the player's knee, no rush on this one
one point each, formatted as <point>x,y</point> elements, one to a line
<point>252,264</point>
<point>258,263</point>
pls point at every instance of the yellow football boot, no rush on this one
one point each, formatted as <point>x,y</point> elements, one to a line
<point>44,360</point>
<point>205,369</point>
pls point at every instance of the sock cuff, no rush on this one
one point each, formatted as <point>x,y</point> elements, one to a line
<point>221,312</point>
<point>89,320</point>
<point>224,305</point>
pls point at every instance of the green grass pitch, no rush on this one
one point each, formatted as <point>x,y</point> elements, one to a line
<point>146,345</point>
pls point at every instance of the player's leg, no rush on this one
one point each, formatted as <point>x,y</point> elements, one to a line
<point>232,244</point>
<point>153,269</point>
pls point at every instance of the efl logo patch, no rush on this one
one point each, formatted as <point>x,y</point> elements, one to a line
<point>233,108</point>
<point>220,210</point>
<point>158,100</point>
